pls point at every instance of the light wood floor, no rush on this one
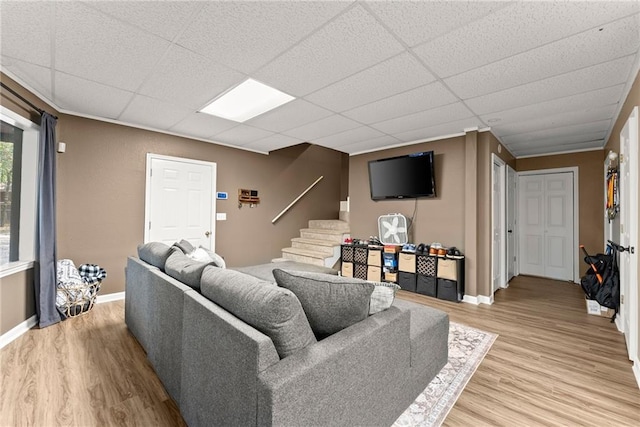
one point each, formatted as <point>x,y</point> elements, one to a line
<point>552,364</point>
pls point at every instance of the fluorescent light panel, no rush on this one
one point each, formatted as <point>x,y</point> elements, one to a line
<point>247,100</point>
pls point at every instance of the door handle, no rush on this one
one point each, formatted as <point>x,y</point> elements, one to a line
<point>207,233</point>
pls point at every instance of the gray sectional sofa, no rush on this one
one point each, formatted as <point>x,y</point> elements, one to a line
<point>222,371</point>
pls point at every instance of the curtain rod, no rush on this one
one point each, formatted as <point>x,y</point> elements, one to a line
<point>25,100</point>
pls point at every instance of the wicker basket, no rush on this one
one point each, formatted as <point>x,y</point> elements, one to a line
<point>79,299</point>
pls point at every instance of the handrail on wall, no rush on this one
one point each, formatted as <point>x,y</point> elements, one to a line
<point>273,221</point>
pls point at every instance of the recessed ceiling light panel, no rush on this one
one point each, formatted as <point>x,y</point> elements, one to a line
<point>247,100</point>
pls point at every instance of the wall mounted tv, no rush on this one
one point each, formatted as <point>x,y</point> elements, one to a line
<point>409,176</point>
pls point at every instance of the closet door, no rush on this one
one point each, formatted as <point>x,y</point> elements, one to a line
<point>546,225</point>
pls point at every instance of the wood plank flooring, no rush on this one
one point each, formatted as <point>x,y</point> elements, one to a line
<point>552,364</point>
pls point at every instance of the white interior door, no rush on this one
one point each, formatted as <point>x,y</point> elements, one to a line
<point>546,225</point>
<point>511,223</point>
<point>628,164</point>
<point>180,201</point>
<point>498,223</point>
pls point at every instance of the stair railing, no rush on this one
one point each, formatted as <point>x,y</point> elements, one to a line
<point>273,221</point>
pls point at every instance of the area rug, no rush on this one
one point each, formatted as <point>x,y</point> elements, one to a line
<point>467,348</point>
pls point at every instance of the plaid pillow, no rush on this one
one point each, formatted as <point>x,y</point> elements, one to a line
<point>382,296</point>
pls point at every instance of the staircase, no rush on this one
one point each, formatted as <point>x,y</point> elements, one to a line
<point>319,244</point>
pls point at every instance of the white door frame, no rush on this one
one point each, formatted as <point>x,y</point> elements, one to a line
<point>576,213</point>
<point>147,191</point>
<point>514,230</point>
<point>629,211</point>
<point>498,218</point>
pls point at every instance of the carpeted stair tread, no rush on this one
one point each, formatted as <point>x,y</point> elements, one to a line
<point>304,252</point>
<point>329,224</point>
<point>316,242</point>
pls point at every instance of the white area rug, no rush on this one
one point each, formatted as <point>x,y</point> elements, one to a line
<point>467,348</point>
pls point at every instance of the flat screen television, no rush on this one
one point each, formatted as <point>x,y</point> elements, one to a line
<point>409,176</point>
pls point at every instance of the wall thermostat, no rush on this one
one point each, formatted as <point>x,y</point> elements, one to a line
<point>222,195</point>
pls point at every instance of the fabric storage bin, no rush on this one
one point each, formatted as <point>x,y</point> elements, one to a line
<point>426,265</point>
<point>347,269</point>
<point>360,271</point>
<point>447,269</point>
<point>346,253</point>
<point>426,285</point>
<point>407,281</point>
<point>374,273</point>
<point>449,290</point>
<point>407,262</point>
<point>391,276</point>
<point>374,256</point>
<point>360,254</point>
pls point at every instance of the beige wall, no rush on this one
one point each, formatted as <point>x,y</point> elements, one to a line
<point>101,188</point>
<point>590,189</point>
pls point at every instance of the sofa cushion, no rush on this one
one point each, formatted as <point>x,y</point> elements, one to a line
<point>154,253</point>
<point>382,297</point>
<point>182,268</point>
<point>331,303</point>
<point>274,311</point>
<point>184,246</point>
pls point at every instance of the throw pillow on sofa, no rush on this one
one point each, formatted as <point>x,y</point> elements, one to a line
<point>205,255</point>
<point>331,303</point>
<point>182,268</point>
<point>154,253</point>
<point>382,297</point>
<point>184,246</point>
<point>274,311</point>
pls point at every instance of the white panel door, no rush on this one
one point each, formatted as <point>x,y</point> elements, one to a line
<point>629,232</point>
<point>511,223</point>
<point>180,201</point>
<point>497,221</point>
<point>546,225</point>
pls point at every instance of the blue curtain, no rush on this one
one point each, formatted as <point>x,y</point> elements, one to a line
<point>45,271</point>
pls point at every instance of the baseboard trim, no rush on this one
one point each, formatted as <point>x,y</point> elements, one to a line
<point>636,371</point>
<point>480,299</point>
<point>18,330</point>
<point>117,296</point>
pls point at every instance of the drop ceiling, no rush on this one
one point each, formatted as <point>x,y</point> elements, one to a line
<point>545,77</point>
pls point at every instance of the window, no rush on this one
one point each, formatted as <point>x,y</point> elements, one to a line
<point>10,174</point>
<point>18,188</point>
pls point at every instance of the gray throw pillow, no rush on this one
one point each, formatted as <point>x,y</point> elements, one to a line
<point>274,311</point>
<point>331,303</point>
<point>184,246</point>
<point>182,268</point>
<point>154,253</point>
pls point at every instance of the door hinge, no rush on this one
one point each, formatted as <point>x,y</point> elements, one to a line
<point>149,225</point>
<point>621,228</point>
<point>150,172</point>
<point>621,158</point>
<point>622,299</point>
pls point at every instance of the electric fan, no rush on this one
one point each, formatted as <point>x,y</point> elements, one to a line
<point>393,229</point>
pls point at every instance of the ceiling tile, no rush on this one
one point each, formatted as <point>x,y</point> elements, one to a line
<point>558,132</point>
<point>25,31</point>
<point>241,135</point>
<point>580,102</point>
<point>247,35</point>
<point>557,120</point>
<point>414,23</point>
<point>79,96</point>
<point>438,131</point>
<point>502,33</point>
<point>435,116</point>
<point>153,113</point>
<point>292,114</point>
<point>97,47</point>
<point>189,79</point>
<point>582,50</point>
<point>590,78</point>
<point>321,128</point>
<point>419,99</point>
<point>36,77</point>
<point>397,74</point>
<point>564,140</point>
<point>162,18</point>
<point>360,134</point>
<point>352,42</point>
<point>273,142</point>
<point>202,125</point>
<point>369,144</point>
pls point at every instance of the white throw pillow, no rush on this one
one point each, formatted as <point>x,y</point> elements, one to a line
<point>200,255</point>
<point>382,296</point>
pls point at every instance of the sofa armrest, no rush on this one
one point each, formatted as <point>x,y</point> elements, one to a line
<point>353,377</point>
